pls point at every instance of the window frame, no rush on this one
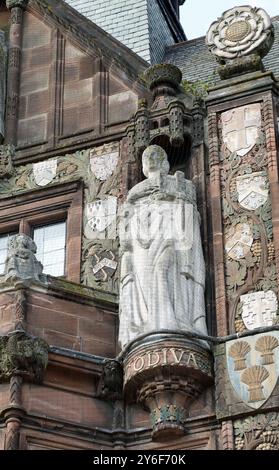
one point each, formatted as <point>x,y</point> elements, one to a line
<point>64,221</point>
<point>45,206</point>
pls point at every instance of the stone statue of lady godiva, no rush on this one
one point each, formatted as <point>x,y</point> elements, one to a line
<point>162,265</point>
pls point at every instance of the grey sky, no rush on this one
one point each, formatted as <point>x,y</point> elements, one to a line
<point>197,15</point>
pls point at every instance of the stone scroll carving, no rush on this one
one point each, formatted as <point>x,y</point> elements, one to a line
<point>162,266</point>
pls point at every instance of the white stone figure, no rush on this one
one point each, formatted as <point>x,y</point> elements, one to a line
<point>162,265</point>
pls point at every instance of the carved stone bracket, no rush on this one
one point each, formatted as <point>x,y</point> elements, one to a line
<point>24,355</point>
<point>111,382</point>
<point>166,377</point>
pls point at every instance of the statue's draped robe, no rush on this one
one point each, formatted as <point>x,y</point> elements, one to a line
<point>162,280</point>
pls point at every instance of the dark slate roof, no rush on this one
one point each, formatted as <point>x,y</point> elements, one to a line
<point>196,62</point>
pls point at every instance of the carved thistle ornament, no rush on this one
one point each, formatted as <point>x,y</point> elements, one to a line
<point>239,32</point>
<point>253,367</point>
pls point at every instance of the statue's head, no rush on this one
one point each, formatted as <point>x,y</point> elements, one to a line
<point>22,242</point>
<point>155,159</point>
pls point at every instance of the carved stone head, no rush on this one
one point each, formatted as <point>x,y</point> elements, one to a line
<point>20,244</point>
<point>155,160</point>
<point>21,262</point>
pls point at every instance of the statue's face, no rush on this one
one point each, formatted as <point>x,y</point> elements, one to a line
<point>154,159</point>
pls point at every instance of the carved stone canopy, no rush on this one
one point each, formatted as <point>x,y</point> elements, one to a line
<point>239,32</point>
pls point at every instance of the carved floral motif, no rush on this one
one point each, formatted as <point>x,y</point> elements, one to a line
<point>240,31</point>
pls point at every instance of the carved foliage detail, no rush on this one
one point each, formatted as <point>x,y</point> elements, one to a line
<point>246,206</point>
<point>258,432</point>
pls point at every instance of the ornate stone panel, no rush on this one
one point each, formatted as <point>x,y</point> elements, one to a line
<point>253,367</point>
<point>99,193</point>
<point>247,217</point>
<point>246,374</point>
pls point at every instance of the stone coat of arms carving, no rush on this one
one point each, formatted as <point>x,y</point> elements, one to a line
<point>240,128</point>
<point>259,309</point>
<point>103,161</point>
<point>253,367</point>
<point>239,240</point>
<point>44,172</point>
<point>100,214</point>
<point>104,265</point>
<point>252,190</point>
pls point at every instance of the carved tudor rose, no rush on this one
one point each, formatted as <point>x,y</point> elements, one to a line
<point>239,32</point>
<point>259,309</point>
<point>240,128</point>
<point>253,367</point>
<point>103,161</point>
<point>252,190</point>
<point>44,172</point>
<point>239,240</point>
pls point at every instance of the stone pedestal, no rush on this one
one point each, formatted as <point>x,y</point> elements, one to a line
<point>165,374</point>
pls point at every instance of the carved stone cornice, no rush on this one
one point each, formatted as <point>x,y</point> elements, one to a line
<point>24,355</point>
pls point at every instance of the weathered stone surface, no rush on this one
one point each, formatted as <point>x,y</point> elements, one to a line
<point>6,160</point>
<point>241,127</point>
<point>247,371</point>
<point>166,375</point>
<point>3,78</point>
<point>24,355</point>
<point>239,32</point>
<point>44,172</point>
<point>21,263</point>
<point>252,190</point>
<point>259,309</point>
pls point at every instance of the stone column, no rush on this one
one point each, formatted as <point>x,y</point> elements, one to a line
<point>14,60</point>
